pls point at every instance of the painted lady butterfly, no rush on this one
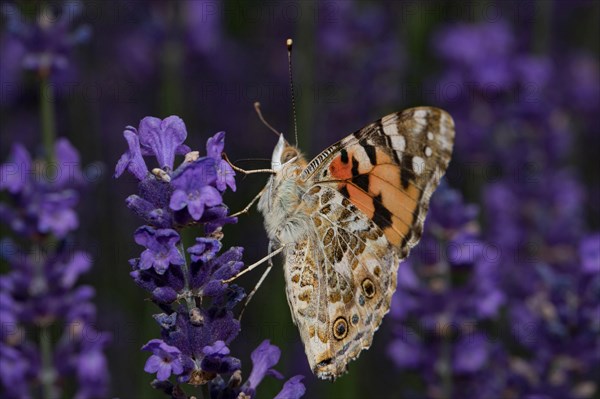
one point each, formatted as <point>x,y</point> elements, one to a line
<point>344,222</point>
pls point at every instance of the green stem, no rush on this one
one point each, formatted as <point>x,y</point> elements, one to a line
<point>172,86</point>
<point>48,374</point>
<point>39,286</point>
<point>542,26</point>
<point>204,392</point>
<point>186,279</point>
<point>445,368</point>
<point>445,363</point>
<point>47,116</point>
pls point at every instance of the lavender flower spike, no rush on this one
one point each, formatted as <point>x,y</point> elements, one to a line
<point>197,320</point>
<point>40,291</point>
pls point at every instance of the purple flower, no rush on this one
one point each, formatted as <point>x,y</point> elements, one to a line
<point>49,42</point>
<point>217,360</point>
<point>406,350</point>
<point>205,249</point>
<point>132,160</point>
<point>449,284</point>
<point>165,359</point>
<point>15,369</point>
<point>161,250</point>
<point>225,173</point>
<point>56,214</point>
<point>192,189</point>
<point>68,164</point>
<point>264,357</point>
<point>292,389</point>
<point>163,139</point>
<point>470,354</point>
<point>40,289</point>
<point>15,173</point>
<point>160,138</point>
<point>197,320</point>
<point>589,253</point>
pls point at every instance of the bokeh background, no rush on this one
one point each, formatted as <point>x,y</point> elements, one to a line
<point>501,298</point>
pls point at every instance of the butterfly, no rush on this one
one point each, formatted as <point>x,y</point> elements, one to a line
<point>345,220</point>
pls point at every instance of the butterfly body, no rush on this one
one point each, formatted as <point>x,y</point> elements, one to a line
<point>346,219</point>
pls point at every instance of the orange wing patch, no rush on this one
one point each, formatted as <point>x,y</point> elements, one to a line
<point>341,168</point>
<point>371,179</point>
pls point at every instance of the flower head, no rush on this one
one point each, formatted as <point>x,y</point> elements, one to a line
<point>14,175</point>
<point>193,190</point>
<point>197,320</point>
<point>161,250</point>
<point>49,41</point>
<point>40,290</point>
<point>225,173</point>
<point>165,359</point>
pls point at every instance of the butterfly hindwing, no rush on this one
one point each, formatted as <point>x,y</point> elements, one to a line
<point>340,278</point>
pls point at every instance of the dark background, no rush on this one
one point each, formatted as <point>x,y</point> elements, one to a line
<point>208,62</point>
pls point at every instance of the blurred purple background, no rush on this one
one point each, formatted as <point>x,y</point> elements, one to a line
<point>501,299</point>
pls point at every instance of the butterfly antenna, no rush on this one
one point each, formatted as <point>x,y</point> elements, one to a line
<point>263,120</point>
<point>289,43</point>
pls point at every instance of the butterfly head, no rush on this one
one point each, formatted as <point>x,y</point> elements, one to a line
<point>282,154</point>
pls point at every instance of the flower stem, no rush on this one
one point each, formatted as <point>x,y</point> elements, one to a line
<point>47,116</point>
<point>172,86</point>
<point>186,279</point>
<point>445,368</point>
<point>204,392</point>
<point>445,362</point>
<point>542,27</point>
<point>48,374</point>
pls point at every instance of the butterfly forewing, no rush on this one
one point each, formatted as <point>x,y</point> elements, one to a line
<point>390,168</point>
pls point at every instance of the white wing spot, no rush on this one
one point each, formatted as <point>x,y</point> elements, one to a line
<point>418,164</point>
<point>398,143</point>
<point>429,136</point>
<point>390,130</point>
<point>428,151</point>
<point>420,113</point>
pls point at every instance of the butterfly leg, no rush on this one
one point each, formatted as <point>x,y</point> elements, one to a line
<point>256,264</point>
<point>244,171</point>
<point>247,208</point>
<point>262,278</point>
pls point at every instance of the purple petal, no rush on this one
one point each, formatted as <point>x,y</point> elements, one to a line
<point>406,350</point>
<point>218,348</point>
<point>589,253</point>
<point>152,364</point>
<point>132,160</point>
<point>263,358</point>
<point>215,145</point>
<point>210,196</point>
<point>15,173</point>
<point>78,264</point>
<point>196,207</point>
<point>163,138</point>
<point>164,371</point>
<point>225,176</point>
<point>69,163</point>
<point>292,389</point>
<point>470,353</point>
<point>144,235</point>
<point>178,200</point>
<point>146,260</point>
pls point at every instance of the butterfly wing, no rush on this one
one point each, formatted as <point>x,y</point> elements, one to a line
<point>368,196</point>
<point>340,278</point>
<point>389,169</point>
